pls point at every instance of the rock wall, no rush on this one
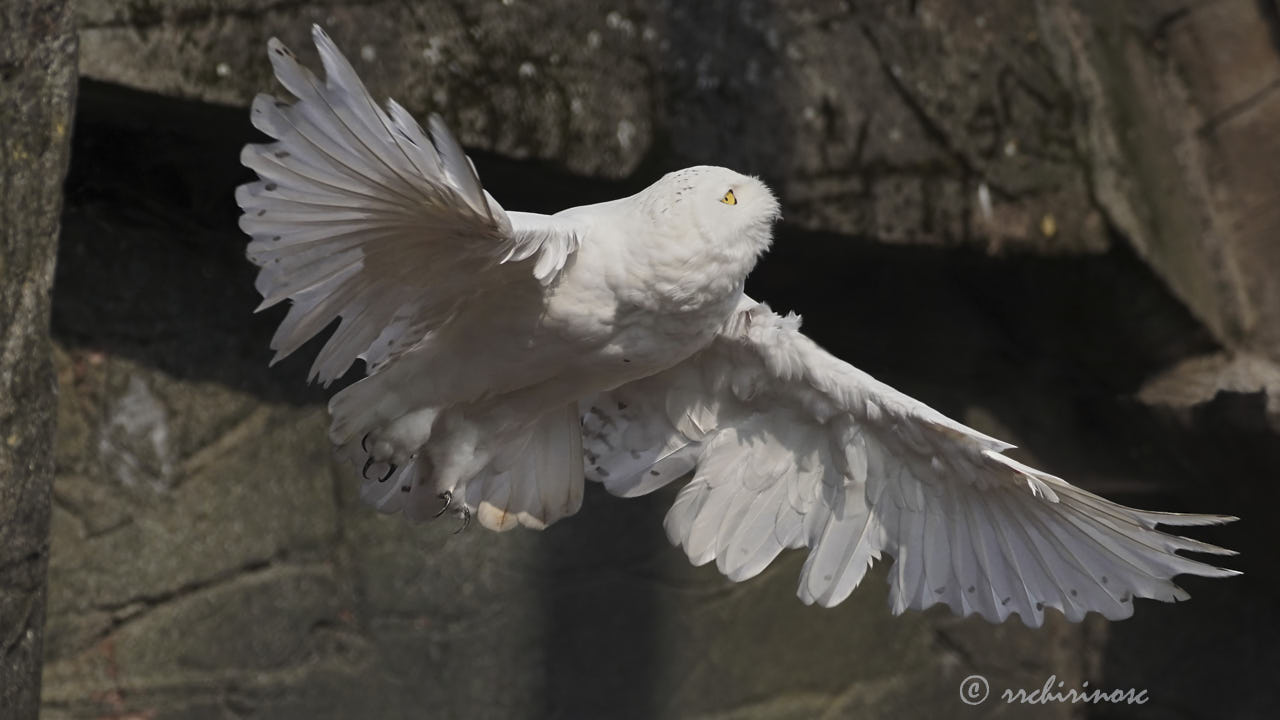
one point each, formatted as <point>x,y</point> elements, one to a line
<point>37,92</point>
<point>1039,217</point>
<point>1183,150</point>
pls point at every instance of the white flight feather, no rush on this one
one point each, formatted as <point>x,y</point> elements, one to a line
<point>967,526</point>
<point>361,215</point>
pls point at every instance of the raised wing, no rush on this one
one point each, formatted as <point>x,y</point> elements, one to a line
<point>360,214</point>
<point>791,447</point>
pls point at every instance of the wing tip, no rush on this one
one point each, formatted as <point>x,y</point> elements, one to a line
<point>267,302</point>
<point>277,49</point>
<point>326,46</point>
<point>1211,571</point>
<point>1187,519</point>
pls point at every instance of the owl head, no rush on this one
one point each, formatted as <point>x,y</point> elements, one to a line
<point>731,210</point>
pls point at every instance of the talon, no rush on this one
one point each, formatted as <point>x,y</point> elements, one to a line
<point>466,520</point>
<point>447,497</point>
<point>364,443</point>
<point>391,468</point>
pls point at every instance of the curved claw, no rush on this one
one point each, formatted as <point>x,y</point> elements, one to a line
<point>447,497</point>
<point>466,520</point>
<point>391,469</point>
<point>364,443</point>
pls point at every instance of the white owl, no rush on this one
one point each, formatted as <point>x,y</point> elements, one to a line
<point>511,354</point>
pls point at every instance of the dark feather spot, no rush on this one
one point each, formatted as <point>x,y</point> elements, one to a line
<point>275,238</point>
<point>1005,601</point>
<point>940,590</point>
<point>270,186</point>
<point>601,471</point>
<point>622,405</point>
<point>1074,593</point>
<point>282,154</point>
<point>261,213</point>
<point>404,488</point>
<point>654,472</point>
<point>1104,579</point>
<point>626,360</point>
<point>1039,606</point>
<point>971,589</point>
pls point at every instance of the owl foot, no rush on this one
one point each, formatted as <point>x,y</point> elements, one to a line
<point>391,468</point>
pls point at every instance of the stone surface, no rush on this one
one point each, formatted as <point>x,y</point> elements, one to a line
<point>1198,380</point>
<point>37,92</point>
<point>993,206</point>
<point>869,119</point>
<point>1182,122</point>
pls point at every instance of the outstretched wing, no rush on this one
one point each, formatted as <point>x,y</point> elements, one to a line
<point>791,447</point>
<point>362,215</point>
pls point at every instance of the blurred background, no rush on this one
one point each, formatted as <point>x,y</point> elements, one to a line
<point>1055,221</point>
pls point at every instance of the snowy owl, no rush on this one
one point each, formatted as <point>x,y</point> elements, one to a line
<point>511,355</point>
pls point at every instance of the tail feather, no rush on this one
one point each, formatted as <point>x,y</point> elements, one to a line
<point>543,485</point>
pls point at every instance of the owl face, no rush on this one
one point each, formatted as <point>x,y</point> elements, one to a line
<point>729,209</point>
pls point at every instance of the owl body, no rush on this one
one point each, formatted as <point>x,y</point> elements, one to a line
<point>628,304</point>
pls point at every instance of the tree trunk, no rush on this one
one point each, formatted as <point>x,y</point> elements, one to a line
<point>37,95</point>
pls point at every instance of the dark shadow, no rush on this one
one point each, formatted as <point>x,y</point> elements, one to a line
<point>151,264</point>
<point>1215,655</point>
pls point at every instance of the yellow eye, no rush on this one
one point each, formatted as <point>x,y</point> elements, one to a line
<point>729,198</point>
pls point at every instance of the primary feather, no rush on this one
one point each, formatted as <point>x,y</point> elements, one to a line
<point>511,354</point>
<point>360,215</point>
<point>853,469</point>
